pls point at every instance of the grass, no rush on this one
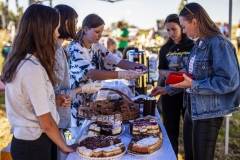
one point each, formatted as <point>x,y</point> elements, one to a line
<point>5,136</point>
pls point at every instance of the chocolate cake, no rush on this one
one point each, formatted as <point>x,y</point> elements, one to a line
<point>101,146</point>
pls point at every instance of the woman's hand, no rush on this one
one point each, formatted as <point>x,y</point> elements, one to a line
<point>62,100</point>
<point>145,68</point>
<point>187,83</point>
<point>158,90</point>
<point>129,74</point>
<point>69,149</point>
<point>91,87</point>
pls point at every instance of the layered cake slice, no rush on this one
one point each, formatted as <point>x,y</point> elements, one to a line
<point>144,125</point>
<point>101,146</point>
<point>109,125</point>
<point>97,152</point>
<point>120,145</point>
<point>87,152</point>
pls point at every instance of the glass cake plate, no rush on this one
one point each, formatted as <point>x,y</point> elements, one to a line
<point>122,125</point>
<point>102,158</point>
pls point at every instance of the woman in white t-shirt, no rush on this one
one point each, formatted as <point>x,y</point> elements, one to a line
<point>29,95</point>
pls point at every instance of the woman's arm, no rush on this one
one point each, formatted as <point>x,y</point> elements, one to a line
<point>96,74</point>
<point>164,73</point>
<point>50,127</point>
<point>225,79</point>
<point>123,64</point>
<point>122,38</point>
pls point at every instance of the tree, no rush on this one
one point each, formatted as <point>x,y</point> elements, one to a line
<point>15,18</point>
<point>6,14</point>
<point>1,14</point>
<point>182,4</point>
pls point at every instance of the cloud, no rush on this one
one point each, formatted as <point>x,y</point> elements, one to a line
<point>129,11</point>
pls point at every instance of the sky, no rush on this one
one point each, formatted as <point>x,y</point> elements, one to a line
<point>141,13</point>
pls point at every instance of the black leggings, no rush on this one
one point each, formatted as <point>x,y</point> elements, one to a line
<point>39,149</point>
<point>172,110</point>
<point>200,136</point>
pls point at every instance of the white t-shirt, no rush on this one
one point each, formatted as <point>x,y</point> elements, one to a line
<point>28,96</point>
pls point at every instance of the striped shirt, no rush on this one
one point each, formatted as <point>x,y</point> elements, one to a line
<point>81,61</point>
<point>190,70</point>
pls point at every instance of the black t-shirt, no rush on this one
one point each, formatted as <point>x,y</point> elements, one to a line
<point>174,57</point>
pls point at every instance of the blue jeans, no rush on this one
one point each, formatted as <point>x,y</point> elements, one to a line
<point>38,149</point>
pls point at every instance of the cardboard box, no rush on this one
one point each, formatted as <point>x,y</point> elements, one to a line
<point>5,153</point>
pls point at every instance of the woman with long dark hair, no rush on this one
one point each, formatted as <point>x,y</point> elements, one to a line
<point>172,57</point>
<point>29,77</point>
<point>67,31</point>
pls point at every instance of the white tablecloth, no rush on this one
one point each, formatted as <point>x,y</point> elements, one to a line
<point>164,153</point>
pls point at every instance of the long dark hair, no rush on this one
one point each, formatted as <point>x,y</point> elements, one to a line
<point>91,21</point>
<point>67,13</point>
<point>206,27</point>
<point>35,35</point>
<point>175,19</point>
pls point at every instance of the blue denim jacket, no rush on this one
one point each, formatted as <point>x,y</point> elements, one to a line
<point>215,90</point>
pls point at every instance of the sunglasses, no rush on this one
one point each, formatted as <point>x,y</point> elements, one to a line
<point>188,10</point>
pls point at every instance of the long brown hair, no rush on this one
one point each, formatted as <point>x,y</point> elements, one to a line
<point>91,21</point>
<point>67,13</point>
<point>206,27</point>
<point>35,34</point>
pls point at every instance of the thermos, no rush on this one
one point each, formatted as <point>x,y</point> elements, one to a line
<point>138,56</point>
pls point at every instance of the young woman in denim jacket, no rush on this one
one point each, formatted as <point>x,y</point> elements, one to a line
<point>214,91</point>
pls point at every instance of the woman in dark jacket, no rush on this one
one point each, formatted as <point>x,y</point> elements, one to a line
<point>172,57</point>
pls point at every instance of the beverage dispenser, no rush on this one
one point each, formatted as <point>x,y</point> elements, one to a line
<point>138,56</point>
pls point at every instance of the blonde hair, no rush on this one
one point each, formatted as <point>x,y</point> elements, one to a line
<point>112,40</point>
<point>206,27</point>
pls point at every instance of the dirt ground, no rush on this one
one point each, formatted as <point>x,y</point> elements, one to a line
<point>5,136</point>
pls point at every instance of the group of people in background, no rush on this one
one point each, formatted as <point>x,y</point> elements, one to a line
<point>46,83</point>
